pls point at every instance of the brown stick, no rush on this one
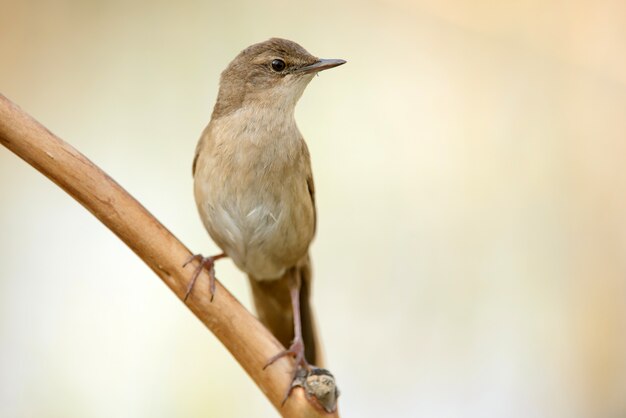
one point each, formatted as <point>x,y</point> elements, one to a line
<point>247,340</point>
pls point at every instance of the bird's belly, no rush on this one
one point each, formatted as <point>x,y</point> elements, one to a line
<point>264,229</point>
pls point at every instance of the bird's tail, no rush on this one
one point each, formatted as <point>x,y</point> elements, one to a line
<point>273,307</point>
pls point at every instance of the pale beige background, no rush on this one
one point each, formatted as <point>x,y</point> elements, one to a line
<point>469,159</point>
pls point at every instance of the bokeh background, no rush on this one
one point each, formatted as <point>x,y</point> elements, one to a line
<point>469,159</point>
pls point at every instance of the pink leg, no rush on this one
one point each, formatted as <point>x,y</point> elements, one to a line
<point>209,264</point>
<point>297,346</point>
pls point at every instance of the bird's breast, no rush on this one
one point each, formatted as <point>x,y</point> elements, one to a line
<point>252,194</point>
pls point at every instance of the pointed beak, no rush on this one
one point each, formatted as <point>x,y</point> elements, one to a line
<point>320,66</point>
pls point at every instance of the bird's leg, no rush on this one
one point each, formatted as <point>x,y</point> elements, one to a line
<point>209,264</point>
<point>297,345</point>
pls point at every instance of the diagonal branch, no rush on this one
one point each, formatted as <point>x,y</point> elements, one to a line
<point>247,340</point>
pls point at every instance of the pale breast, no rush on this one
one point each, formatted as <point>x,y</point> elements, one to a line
<point>254,200</point>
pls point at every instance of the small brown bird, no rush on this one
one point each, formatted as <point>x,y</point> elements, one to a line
<point>254,187</point>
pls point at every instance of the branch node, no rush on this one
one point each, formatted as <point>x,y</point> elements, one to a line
<point>319,387</point>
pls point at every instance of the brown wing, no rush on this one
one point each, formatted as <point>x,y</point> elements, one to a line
<point>311,186</point>
<point>193,165</point>
<point>204,138</point>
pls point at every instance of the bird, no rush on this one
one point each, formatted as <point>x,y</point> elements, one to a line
<point>254,189</point>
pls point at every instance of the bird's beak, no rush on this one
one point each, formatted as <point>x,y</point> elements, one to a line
<point>320,66</point>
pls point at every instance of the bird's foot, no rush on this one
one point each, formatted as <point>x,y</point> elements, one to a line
<point>296,350</point>
<point>205,262</point>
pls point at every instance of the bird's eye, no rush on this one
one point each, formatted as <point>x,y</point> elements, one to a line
<point>278,65</point>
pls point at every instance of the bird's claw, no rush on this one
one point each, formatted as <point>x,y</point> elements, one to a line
<point>205,262</point>
<point>296,350</point>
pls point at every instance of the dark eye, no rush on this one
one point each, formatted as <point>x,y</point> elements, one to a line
<point>278,65</point>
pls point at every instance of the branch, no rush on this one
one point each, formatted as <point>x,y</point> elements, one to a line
<point>245,337</point>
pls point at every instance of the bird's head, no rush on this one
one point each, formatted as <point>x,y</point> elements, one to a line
<point>272,74</point>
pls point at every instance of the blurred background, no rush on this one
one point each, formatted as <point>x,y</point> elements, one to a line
<point>470,259</point>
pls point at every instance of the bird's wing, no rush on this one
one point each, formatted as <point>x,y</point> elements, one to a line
<point>311,186</point>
